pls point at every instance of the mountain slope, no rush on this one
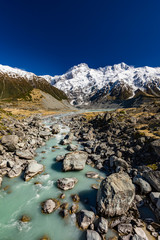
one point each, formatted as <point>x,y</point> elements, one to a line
<point>16,83</point>
<point>84,85</point>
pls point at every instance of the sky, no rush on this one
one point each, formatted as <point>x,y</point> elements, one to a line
<point>51,36</point>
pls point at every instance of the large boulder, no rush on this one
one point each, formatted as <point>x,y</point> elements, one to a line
<point>156,146</point>
<point>75,161</point>
<point>115,195</point>
<point>153,177</point>
<point>85,218</point>
<point>66,183</point>
<point>15,171</point>
<point>55,129</point>
<point>10,142</point>
<point>93,235</point>
<point>49,206</point>
<point>32,170</point>
<point>26,154</point>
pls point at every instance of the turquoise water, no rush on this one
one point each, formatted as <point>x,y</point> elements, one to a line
<point>24,198</point>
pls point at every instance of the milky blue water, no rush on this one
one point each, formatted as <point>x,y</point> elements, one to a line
<point>24,198</point>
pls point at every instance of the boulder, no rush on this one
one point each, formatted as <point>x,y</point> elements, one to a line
<point>153,177</point>
<point>85,218</point>
<point>144,186</point>
<point>93,235</point>
<point>156,146</point>
<point>102,227</point>
<point>125,228</point>
<point>75,161</point>
<point>154,196</point>
<point>49,206</point>
<point>15,171</point>
<point>26,154</point>
<point>115,195</point>
<point>66,183</point>
<point>10,142</point>
<point>72,147</point>
<point>55,129</point>
<point>59,158</point>
<point>139,231</point>
<point>92,174</point>
<point>118,162</point>
<point>32,170</point>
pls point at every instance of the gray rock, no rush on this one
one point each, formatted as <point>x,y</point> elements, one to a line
<point>75,161</point>
<point>32,170</point>
<point>92,174</point>
<point>72,147</point>
<point>15,171</point>
<point>1,149</point>
<point>85,218</point>
<point>154,197</point>
<point>118,162</point>
<point>10,142</point>
<point>49,206</point>
<point>156,146</point>
<point>137,237</point>
<point>26,154</point>
<point>93,235</point>
<point>44,134</point>
<point>153,177</point>
<point>144,186</point>
<point>140,233</point>
<point>125,228</point>
<point>66,183</point>
<point>115,195</point>
<point>60,158</point>
<point>102,227</point>
<point>55,129</point>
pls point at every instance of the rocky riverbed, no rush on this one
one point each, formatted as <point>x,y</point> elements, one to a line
<point>123,145</point>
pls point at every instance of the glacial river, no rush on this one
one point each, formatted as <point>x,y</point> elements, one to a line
<point>24,198</point>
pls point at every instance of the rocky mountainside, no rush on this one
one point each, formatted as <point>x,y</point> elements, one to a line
<point>85,86</point>
<point>16,84</point>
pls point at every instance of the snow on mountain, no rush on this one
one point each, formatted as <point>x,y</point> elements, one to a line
<point>83,84</point>
<point>16,72</point>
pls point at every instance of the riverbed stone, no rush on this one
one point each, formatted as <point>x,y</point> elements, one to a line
<point>93,235</point>
<point>26,154</point>
<point>15,171</point>
<point>55,129</point>
<point>32,170</point>
<point>140,232</point>
<point>154,196</point>
<point>66,183</point>
<point>49,206</point>
<point>59,158</point>
<point>115,195</point>
<point>102,227</point>
<point>72,147</point>
<point>156,146</point>
<point>125,228</point>
<point>144,185</point>
<point>153,177</point>
<point>10,142</point>
<point>92,174</point>
<point>85,218</point>
<point>75,161</point>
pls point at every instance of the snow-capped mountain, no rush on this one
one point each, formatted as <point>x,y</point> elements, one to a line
<point>84,85</point>
<point>16,83</point>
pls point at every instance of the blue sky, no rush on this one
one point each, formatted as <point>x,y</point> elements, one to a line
<point>50,36</point>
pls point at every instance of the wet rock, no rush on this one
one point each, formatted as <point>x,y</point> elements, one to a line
<point>125,228</point>
<point>102,227</point>
<point>95,186</point>
<point>66,183</point>
<point>32,170</point>
<point>144,186</point>
<point>64,213</point>
<point>75,161</point>
<point>55,129</point>
<point>10,142</point>
<point>93,235</point>
<point>15,171</point>
<point>74,208</point>
<point>92,174</point>
<point>115,195</point>
<point>59,158</point>
<point>25,218</point>
<point>72,147</point>
<point>26,154</point>
<point>85,218</point>
<point>75,198</point>
<point>49,206</point>
<point>62,196</point>
<point>153,177</point>
<point>64,205</point>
